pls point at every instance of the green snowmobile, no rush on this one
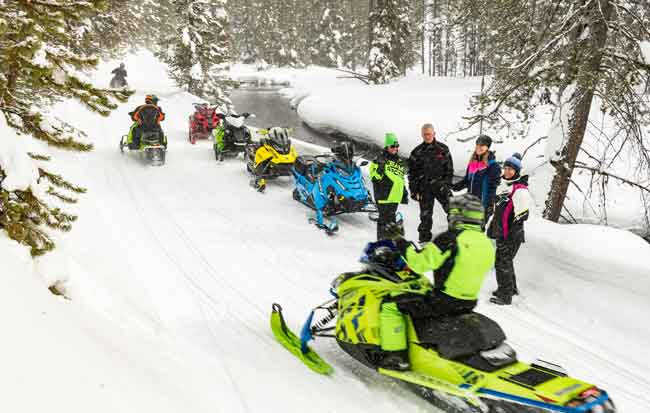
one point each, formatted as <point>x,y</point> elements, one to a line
<point>458,363</point>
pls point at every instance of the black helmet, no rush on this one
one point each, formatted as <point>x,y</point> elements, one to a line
<point>484,140</point>
<point>344,152</point>
<point>383,257</point>
<point>465,209</point>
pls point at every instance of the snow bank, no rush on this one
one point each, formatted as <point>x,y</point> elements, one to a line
<point>59,356</point>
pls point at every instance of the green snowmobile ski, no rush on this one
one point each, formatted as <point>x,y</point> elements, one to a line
<point>459,363</point>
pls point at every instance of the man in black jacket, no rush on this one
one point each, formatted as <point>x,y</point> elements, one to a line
<point>431,170</point>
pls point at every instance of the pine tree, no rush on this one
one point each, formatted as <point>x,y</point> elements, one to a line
<point>38,67</point>
<point>390,33</point>
<point>332,35</point>
<point>198,49</point>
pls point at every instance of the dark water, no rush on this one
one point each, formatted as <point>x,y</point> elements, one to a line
<point>272,109</point>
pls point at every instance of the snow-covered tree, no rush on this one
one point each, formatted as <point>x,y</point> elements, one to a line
<point>331,36</point>
<point>38,67</point>
<point>198,49</point>
<point>572,54</point>
<point>390,40</point>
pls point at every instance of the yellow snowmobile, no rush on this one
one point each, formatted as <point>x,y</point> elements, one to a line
<point>271,157</point>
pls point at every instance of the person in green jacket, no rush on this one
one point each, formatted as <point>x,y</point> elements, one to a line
<point>387,175</point>
<point>460,258</point>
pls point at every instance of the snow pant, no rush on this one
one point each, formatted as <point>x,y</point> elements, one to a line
<point>427,202</point>
<point>435,304</point>
<point>386,215</point>
<point>505,269</point>
<point>392,328</point>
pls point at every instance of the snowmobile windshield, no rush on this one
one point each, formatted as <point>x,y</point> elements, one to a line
<point>344,153</point>
<point>235,122</point>
<point>283,146</point>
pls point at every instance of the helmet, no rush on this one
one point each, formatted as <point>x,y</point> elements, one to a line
<point>344,152</point>
<point>122,65</point>
<point>151,99</point>
<point>279,139</point>
<point>383,256</point>
<point>465,209</point>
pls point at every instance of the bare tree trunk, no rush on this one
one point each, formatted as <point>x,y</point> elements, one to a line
<point>581,101</point>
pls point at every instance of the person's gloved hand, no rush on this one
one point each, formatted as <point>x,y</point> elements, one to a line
<point>394,231</point>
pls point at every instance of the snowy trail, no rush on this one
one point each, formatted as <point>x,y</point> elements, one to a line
<point>189,253</point>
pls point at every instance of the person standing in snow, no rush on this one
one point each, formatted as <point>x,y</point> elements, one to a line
<point>119,78</point>
<point>430,171</point>
<point>483,175</point>
<point>387,175</point>
<point>513,202</point>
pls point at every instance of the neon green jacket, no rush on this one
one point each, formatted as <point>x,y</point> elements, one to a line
<point>460,259</point>
<point>387,175</point>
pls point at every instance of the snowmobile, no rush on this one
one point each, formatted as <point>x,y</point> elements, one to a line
<point>232,136</point>
<point>153,147</point>
<point>458,363</point>
<point>331,185</point>
<point>202,122</point>
<point>271,157</point>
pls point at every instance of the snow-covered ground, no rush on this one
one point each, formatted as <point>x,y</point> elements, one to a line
<point>171,273</point>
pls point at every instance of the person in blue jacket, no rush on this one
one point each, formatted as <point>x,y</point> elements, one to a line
<point>483,175</point>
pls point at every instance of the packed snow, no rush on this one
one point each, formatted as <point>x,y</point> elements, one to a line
<point>171,272</point>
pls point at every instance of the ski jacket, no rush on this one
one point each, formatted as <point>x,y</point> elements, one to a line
<point>119,73</point>
<point>430,166</point>
<point>387,175</point>
<point>512,205</point>
<point>482,179</point>
<point>460,260</point>
<point>148,115</point>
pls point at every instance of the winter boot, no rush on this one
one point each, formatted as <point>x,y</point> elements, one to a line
<point>395,360</point>
<point>498,300</point>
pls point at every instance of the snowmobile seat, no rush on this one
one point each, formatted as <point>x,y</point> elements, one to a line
<point>308,166</point>
<point>459,336</point>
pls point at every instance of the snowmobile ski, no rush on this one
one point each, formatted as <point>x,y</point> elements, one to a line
<point>329,225</point>
<point>295,345</point>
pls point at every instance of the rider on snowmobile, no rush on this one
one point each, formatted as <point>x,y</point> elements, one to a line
<point>460,258</point>
<point>146,118</point>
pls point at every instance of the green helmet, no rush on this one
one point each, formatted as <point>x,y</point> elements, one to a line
<point>465,209</point>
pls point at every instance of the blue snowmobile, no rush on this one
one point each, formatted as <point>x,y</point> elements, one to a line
<point>332,184</point>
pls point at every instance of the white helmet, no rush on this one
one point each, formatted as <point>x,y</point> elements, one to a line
<point>279,138</point>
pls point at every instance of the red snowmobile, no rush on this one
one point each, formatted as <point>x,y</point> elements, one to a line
<point>202,121</point>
